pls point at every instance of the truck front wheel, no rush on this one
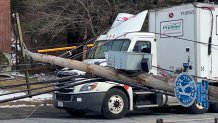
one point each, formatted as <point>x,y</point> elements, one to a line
<point>75,113</point>
<point>115,104</point>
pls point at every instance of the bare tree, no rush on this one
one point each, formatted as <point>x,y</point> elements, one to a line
<point>54,18</point>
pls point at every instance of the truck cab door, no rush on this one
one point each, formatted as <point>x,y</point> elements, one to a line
<point>145,45</point>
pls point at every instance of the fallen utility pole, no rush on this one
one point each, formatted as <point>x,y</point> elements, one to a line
<point>149,80</point>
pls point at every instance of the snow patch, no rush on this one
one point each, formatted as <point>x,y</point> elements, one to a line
<point>16,106</point>
<point>38,98</point>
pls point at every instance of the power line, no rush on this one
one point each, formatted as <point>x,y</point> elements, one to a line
<point>48,91</point>
<point>38,82</point>
<point>19,78</point>
<point>25,69</point>
<point>80,54</point>
<point>97,36</point>
<point>20,65</point>
<point>211,80</point>
<point>184,39</point>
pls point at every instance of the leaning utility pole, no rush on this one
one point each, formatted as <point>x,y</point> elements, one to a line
<point>149,80</point>
<point>22,50</point>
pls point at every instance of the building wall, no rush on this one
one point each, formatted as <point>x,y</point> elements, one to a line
<point>5,26</point>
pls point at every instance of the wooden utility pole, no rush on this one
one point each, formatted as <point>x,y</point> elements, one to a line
<point>85,46</point>
<point>153,81</point>
<point>22,50</point>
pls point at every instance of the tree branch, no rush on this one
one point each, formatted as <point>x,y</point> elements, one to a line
<point>89,16</point>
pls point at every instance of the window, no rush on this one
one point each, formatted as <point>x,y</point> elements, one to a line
<point>142,46</point>
<point>114,45</point>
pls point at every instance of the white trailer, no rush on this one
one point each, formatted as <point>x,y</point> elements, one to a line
<point>183,35</point>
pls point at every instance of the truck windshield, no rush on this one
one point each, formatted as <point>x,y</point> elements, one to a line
<point>114,45</point>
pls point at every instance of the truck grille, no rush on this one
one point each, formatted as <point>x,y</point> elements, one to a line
<point>65,90</point>
<point>63,97</point>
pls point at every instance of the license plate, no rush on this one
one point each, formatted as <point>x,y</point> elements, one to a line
<point>60,104</point>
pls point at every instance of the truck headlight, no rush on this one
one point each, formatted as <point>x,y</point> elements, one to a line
<point>88,87</point>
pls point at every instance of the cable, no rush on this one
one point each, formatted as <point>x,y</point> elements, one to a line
<point>18,65</point>
<point>211,80</point>
<point>83,43</point>
<point>25,69</point>
<point>37,83</point>
<point>141,86</point>
<point>48,91</point>
<point>32,112</point>
<point>37,88</point>
<point>19,79</point>
<point>150,32</point>
<point>80,54</point>
<point>77,55</point>
<point>190,40</point>
<point>97,36</point>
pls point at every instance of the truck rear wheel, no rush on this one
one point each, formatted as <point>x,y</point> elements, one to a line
<point>161,109</point>
<point>195,109</point>
<point>213,107</point>
<point>115,104</point>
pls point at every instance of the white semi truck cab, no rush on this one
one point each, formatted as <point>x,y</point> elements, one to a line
<point>111,99</point>
<point>172,44</point>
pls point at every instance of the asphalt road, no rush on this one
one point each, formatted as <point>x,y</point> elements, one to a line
<point>48,114</point>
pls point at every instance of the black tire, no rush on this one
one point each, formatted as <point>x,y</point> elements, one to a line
<point>194,109</point>
<point>115,104</point>
<point>161,109</point>
<point>75,113</point>
<point>213,107</point>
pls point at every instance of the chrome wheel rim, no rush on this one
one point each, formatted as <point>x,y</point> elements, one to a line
<point>115,104</point>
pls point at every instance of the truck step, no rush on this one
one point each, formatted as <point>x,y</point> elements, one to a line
<point>173,104</point>
<point>145,106</point>
<point>143,92</point>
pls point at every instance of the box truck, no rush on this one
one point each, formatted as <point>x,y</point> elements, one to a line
<point>180,38</point>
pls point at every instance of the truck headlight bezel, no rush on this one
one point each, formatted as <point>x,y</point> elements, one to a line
<point>88,87</point>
